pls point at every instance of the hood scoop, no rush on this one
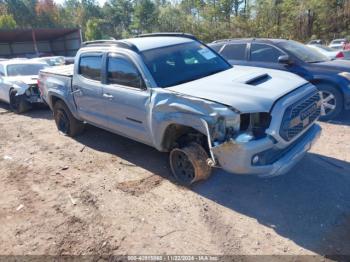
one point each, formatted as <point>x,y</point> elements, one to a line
<point>257,80</point>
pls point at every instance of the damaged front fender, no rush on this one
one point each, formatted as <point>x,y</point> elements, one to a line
<point>20,87</point>
<point>201,115</point>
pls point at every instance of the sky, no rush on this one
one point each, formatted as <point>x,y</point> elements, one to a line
<point>99,1</point>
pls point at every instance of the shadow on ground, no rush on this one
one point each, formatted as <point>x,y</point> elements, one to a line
<point>310,205</point>
<point>38,111</point>
<point>342,119</point>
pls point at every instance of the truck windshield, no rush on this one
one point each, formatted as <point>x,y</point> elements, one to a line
<point>177,64</point>
<point>24,69</point>
<point>304,52</point>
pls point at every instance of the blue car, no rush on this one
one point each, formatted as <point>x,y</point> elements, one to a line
<point>332,77</point>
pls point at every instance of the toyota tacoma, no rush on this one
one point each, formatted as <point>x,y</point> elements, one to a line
<point>174,93</point>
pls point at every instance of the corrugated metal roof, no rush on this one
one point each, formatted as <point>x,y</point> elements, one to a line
<point>41,34</point>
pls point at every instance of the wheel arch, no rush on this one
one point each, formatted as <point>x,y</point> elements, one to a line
<point>174,131</point>
<point>318,81</point>
<point>54,97</point>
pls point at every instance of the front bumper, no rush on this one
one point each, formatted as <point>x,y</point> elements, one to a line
<point>346,92</point>
<point>237,158</point>
<point>34,99</point>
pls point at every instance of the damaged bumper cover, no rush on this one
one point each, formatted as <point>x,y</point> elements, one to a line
<point>263,157</point>
<point>30,93</point>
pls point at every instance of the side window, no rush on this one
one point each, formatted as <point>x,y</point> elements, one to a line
<point>216,47</point>
<point>2,71</point>
<point>90,66</point>
<point>264,53</point>
<point>234,51</point>
<point>121,71</point>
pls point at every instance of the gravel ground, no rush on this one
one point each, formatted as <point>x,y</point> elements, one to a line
<point>101,193</point>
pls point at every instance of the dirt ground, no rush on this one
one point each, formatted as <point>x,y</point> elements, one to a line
<point>102,193</point>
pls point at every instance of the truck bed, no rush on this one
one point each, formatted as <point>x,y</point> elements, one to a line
<point>58,78</point>
<point>65,70</point>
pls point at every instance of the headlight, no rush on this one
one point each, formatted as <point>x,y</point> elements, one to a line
<point>255,124</point>
<point>345,75</point>
<point>226,127</point>
<point>233,124</point>
<point>244,127</point>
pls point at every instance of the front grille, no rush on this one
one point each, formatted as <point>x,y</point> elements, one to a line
<point>34,90</point>
<point>300,116</point>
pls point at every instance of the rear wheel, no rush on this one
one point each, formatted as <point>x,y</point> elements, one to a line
<point>18,103</point>
<point>332,101</point>
<point>65,121</point>
<point>189,164</point>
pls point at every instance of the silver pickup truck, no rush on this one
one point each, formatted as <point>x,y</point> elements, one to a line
<point>172,92</point>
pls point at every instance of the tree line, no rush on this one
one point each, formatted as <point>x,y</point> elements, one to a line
<point>207,19</point>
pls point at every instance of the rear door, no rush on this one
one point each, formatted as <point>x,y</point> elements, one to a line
<point>126,98</point>
<point>87,88</point>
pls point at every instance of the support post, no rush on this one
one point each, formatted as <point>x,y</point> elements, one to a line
<point>34,42</point>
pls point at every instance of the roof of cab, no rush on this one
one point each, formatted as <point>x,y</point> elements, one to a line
<point>247,40</point>
<point>140,44</point>
<point>147,43</point>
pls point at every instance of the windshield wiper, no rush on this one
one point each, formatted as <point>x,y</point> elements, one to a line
<point>315,62</point>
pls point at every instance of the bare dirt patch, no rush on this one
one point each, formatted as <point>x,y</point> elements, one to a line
<point>101,193</point>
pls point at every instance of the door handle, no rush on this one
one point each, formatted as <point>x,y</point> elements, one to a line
<point>76,91</point>
<point>109,96</point>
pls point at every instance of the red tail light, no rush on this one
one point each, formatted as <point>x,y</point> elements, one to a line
<point>340,55</point>
<point>39,87</point>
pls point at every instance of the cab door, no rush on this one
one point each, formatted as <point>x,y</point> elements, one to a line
<point>126,98</point>
<point>87,88</point>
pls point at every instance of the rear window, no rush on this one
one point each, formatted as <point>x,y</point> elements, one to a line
<point>24,69</point>
<point>234,51</point>
<point>90,67</point>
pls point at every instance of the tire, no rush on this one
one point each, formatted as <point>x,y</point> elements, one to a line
<point>189,164</point>
<point>18,103</point>
<point>332,101</point>
<point>66,123</point>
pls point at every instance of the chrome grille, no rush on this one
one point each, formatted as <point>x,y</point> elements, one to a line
<point>300,116</point>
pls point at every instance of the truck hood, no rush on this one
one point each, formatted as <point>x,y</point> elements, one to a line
<point>29,80</point>
<point>247,89</point>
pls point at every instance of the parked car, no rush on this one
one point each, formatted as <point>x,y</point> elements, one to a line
<point>327,51</point>
<point>172,92</point>
<point>338,44</point>
<point>68,60</point>
<point>18,83</point>
<point>316,42</point>
<point>332,78</point>
<point>51,60</point>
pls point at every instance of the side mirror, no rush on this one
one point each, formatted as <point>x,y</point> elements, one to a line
<point>285,59</point>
